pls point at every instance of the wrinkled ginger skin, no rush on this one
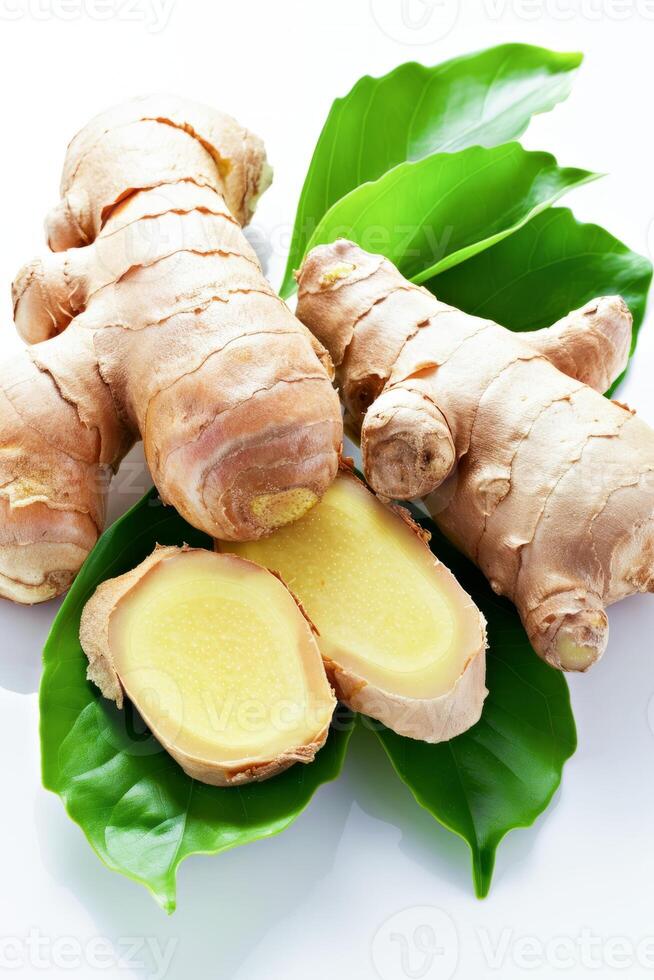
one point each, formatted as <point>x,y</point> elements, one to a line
<point>95,639</point>
<point>152,319</point>
<point>544,483</point>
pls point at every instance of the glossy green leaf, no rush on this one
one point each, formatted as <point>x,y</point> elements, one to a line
<point>551,266</point>
<point>503,772</point>
<point>140,812</point>
<point>433,214</point>
<point>485,98</point>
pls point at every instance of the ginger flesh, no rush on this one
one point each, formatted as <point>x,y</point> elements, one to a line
<point>395,628</point>
<point>544,483</point>
<point>220,661</point>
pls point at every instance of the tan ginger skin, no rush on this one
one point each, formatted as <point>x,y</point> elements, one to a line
<point>157,324</point>
<point>544,483</point>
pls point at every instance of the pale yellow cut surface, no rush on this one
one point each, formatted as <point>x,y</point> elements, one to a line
<point>219,659</point>
<point>385,609</point>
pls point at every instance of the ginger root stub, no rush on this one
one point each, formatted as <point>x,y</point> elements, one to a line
<point>544,483</point>
<point>157,323</point>
<point>401,640</point>
<point>218,658</point>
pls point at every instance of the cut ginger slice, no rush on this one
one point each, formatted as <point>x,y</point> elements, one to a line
<point>401,640</point>
<point>218,658</point>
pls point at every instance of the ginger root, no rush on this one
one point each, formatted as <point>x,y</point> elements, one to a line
<point>218,658</point>
<point>544,483</point>
<point>156,324</point>
<point>400,639</point>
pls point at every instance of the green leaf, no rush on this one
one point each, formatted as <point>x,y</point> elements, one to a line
<point>549,267</point>
<point>503,772</point>
<point>485,98</point>
<point>431,215</point>
<point>140,812</point>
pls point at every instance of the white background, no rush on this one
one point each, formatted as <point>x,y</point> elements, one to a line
<point>310,903</point>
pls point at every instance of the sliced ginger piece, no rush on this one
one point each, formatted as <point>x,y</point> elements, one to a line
<point>401,640</point>
<point>219,659</point>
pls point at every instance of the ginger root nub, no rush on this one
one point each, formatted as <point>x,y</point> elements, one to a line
<point>591,344</point>
<point>407,445</point>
